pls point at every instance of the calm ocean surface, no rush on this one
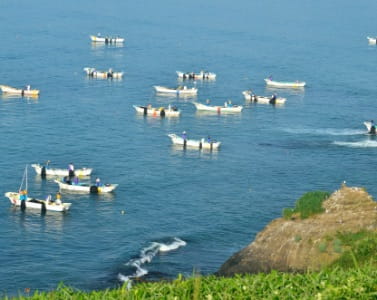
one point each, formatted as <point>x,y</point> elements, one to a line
<point>184,210</point>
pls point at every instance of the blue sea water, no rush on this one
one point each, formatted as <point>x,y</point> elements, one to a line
<point>175,211</point>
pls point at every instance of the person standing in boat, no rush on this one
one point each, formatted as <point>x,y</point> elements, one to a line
<point>209,139</point>
<point>184,135</point>
<point>98,182</point>
<point>71,170</point>
<point>23,198</point>
<point>58,198</point>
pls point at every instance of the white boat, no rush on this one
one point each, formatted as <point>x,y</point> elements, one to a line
<point>86,187</point>
<point>219,109</point>
<point>92,72</point>
<point>46,170</point>
<point>180,90</point>
<point>285,84</point>
<point>262,99</point>
<point>33,203</point>
<point>200,75</point>
<point>370,126</point>
<point>158,111</point>
<point>107,39</point>
<point>372,40</point>
<point>22,92</point>
<point>21,199</point>
<point>199,144</point>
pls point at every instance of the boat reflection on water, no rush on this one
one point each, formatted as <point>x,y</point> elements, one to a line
<point>204,113</point>
<point>5,96</point>
<point>178,150</point>
<point>33,221</point>
<point>288,91</point>
<point>96,45</point>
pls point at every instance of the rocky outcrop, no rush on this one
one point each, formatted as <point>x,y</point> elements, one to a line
<point>308,244</point>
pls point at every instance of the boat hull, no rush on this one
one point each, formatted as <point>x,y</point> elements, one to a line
<point>21,92</point>
<point>281,84</point>
<point>61,172</point>
<point>31,203</point>
<point>198,76</point>
<point>262,99</point>
<point>198,144</point>
<point>91,72</point>
<point>86,188</point>
<point>157,112</point>
<point>218,109</point>
<point>183,91</point>
<point>106,40</point>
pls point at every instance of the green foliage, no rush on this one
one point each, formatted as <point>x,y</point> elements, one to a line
<point>361,249</point>
<point>322,247</point>
<point>298,238</point>
<point>308,205</point>
<point>327,284</point>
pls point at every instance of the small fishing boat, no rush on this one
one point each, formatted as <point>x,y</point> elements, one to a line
<point>285,84</point>
<point>22,92</point>
<point>42,205</point>
<point>371,127</point>
<point>21,199</point>
<point>110,74</point>
<point>200,75</point>
<point>199,144</point>
<point>180,90</point>
<point>47,170</point>
<point>263,99</point>
<point>372,40</point>
<point>106,39</point>
<point>227,108</point>
<point>85,187</point>
<point>158,111</point>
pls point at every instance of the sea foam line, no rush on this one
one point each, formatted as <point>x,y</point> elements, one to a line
<point>146,256</point>
<point>360,144</point>
<point>325,131</point>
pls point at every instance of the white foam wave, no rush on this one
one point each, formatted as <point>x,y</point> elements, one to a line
<point>360,144</point>
<point>146,256</point>
<point>173,246</point>
<point>325,131</point>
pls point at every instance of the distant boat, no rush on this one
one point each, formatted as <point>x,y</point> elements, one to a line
<point>22,92</point>
<point>199,144</point>
<point>372,40</point>
<point>158,111</point>
<point>180,90</point>
<point>218,109</point>
<point>107,39</point>
<point>200,75</point>
<point>262,99</point>
<point>285,84</point>
<point>110,74</point>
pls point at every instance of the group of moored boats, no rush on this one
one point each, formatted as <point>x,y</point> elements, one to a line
<point>70,183</point>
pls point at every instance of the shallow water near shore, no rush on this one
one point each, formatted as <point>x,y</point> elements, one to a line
<point>175,210</point>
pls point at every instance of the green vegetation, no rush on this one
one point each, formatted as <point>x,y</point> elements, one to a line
<point>358,249</point>
<point>357,283</point>
<point>308,205</point>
